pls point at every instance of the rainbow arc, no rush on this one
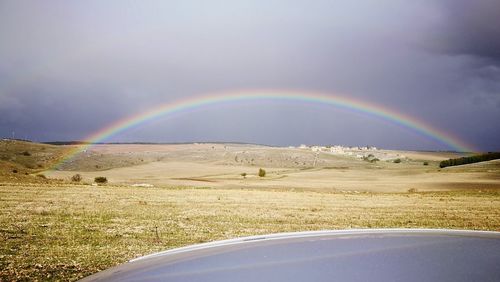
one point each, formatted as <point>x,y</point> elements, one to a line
<point>342,102</point>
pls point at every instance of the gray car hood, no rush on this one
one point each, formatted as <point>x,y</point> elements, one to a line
<point>346,255</point>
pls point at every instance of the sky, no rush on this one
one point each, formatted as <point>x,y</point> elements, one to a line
<point>70,68</point>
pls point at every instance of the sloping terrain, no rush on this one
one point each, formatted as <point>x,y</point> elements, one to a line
<point>20,161</point>
<point>165,196</point>
<point>237,165</point>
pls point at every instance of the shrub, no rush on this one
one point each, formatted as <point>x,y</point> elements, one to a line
<point>426,163</point>
<point>262,172</point>
<point>397,161</point>
<point>371,158</point>
<point>26,153</point>
<point>14,171</point>
<point>244,174</point>
<point>412,190</point>
<point>41,176</point>
<point>100,179</point>
<point>76,178</point>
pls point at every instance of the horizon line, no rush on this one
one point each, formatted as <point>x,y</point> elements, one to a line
<point>77,142</point>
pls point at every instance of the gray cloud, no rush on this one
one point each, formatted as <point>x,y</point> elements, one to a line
<point>70,68</point>
<point>470,28</point>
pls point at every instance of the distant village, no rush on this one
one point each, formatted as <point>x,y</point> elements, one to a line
<point>354,151</point>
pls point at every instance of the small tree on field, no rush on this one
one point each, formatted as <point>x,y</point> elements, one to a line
<point>76,178</point>
<point>397,161</point>
<point>262,172</point>
<point>100,179</point>
<point>371,158</point>
<point>244,174</point>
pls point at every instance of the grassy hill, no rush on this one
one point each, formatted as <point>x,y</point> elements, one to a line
<point>22,160</point>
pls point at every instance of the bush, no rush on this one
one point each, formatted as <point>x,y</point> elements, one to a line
<point>41,176</point>
<point>100,179</point>
<point>426,163</point>
<point>371,158</point>
<point>397,161</point>
<point>76,178</point>
<point>14,171</point>
<point>244,174</point>
<point>26,153</point>
<point>262,172</point>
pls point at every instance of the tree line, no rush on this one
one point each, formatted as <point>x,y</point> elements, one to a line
<point>471,159</point>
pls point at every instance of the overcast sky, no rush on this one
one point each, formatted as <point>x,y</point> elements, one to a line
<point>69,68</point>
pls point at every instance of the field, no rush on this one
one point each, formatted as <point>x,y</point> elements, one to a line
<point>221,166</point>
<point>55,229</point>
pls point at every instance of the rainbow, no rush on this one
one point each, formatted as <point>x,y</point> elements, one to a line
<point>346,103</point>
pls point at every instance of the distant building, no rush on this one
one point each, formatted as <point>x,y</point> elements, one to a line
<point>337,150</point>
<point>318,148</point>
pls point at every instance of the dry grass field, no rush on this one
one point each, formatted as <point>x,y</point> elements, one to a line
<point>53,229</point>
<point>221,166</point>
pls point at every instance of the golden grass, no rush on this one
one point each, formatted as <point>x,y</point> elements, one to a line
<point>65,232</point>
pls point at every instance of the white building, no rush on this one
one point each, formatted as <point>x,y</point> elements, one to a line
<point>337,150</point>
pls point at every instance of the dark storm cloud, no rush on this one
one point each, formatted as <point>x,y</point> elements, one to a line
<point>70,68</point>
<point>471,28</point>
